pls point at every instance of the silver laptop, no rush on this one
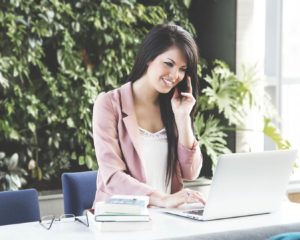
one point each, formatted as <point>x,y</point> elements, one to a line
<point>245,184</point>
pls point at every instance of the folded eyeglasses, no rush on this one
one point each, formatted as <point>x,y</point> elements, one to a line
<point>47,221</point>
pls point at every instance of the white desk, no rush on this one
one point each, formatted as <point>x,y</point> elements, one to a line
<point>164,227</point>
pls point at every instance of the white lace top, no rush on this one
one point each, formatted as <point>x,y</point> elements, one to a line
<point>154,148</point>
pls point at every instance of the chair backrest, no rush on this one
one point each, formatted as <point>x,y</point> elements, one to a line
<point>19,206</point>
<point>79,191</point>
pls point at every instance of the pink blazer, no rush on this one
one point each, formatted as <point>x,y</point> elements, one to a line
<point>115,132</point>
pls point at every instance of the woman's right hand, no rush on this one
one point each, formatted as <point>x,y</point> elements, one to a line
<point>176,199</point>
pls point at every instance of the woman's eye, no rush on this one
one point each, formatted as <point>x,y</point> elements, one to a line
<point>183,70</point>
<point>169,64</point>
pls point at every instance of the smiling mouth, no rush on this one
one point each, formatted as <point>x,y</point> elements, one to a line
<point>168,82</point>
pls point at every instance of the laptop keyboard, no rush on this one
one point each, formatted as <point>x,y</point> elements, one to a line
<point>196,212</point>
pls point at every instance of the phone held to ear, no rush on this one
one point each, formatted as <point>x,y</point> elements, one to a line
<point>182,86</point>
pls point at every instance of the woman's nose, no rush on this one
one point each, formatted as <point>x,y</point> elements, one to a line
<point>174,73</point>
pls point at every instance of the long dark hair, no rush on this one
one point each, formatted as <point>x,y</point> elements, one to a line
<point>158,40</point>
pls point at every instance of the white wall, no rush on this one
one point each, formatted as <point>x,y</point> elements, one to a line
<point>51,205</point>
<point>250,40</point>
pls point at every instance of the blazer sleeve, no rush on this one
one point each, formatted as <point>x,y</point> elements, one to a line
<point>190,161</point>
<point>108,152</point>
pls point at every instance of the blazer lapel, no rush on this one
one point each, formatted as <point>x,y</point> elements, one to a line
<point>130,122</point>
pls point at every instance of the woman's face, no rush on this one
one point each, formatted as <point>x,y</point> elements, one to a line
<point>167,70</point>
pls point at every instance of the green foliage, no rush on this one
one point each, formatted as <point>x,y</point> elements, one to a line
<point>211,135</point>
<point>55,57</point>
<point>223,93</point>
<point>12,177</point>
<point>232,97</point>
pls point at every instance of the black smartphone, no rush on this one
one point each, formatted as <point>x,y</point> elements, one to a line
<point>182,86</point>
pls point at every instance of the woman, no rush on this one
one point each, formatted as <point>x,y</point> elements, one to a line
<point>142,131</point>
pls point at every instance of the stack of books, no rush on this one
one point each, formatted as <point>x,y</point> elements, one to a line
<point>121,213</point>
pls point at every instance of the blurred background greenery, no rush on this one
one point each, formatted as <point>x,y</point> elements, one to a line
<point>56,56</point>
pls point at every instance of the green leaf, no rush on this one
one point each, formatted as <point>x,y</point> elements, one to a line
<point>14,135</point>
<point>70,123</point>
<point>81,160</point>
<point>12,162</point>
<point>56,143</point>
<point>32,127</point>
<point>211,136</point>
<point>16,181</point>
<point>222,93</point>
<point>3,81</point>
<point>32,110</point>
<point>39,173</point>
<point>89,162</point>
<point>74,156</point>
<point>2,155</point>
<point>271,131</point>
<point>76,26</point>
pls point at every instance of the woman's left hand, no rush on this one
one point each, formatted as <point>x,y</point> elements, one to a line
<point>182,103</point>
